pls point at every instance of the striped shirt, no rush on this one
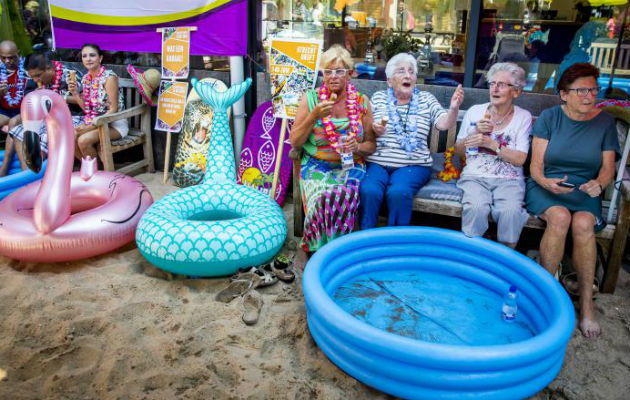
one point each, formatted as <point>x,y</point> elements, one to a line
<point>388,150</point>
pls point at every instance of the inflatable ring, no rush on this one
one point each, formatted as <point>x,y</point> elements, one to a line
<point>67,216</point>
<point>17,178</point>
<point>214,228</point>
<point>410,368</point>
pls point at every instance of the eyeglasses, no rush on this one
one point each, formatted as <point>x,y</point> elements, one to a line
<point>583,92</point>
<point>404,71</point>
<point>500,85</point>
<point>337,72</point>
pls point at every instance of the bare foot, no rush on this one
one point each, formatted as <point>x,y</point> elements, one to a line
<point>590,328</point>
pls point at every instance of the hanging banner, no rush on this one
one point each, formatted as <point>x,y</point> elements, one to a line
<point>175,53</point>
<point>293,65</point>
<point>123,25</point>
<point>171,104</point>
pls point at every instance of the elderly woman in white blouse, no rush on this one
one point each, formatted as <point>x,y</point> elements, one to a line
<point>401,164</point>
<point>494,137</point>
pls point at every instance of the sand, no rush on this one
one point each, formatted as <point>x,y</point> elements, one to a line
<point>114,327</point>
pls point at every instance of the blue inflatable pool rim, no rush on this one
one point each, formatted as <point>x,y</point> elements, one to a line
<point>417,369</point>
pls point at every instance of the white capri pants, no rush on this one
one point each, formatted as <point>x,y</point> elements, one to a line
<point>500,196</point>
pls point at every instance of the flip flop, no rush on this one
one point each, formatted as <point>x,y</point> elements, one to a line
<point>252,304</point>
<point>266,277</point>
<point>238,288</point>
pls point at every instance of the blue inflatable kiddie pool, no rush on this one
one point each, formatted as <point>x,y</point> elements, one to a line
<point>16,177</point>
<point>416,312</point>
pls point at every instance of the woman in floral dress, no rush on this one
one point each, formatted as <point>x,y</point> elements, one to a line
<point>330,192</point>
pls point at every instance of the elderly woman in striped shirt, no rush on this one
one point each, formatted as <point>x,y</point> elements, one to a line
<point>401,164</point>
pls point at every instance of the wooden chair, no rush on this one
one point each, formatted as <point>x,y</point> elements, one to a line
<point>139,115</point>
<point>603,55</point>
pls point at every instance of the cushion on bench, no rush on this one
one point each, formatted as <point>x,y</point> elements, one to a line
<point>436,189</point>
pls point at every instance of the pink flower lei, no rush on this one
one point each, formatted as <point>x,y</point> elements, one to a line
<point>90,95</point>
<point>352,107</point>
<point>58,73</point>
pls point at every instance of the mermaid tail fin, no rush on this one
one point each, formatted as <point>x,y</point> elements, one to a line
<point>220,101</point>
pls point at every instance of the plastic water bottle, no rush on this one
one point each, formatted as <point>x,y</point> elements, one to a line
<point>508,311</point>
<point>347,159</point>
<point>472,151</point>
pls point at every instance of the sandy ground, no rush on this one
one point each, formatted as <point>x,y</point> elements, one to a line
<point>114,327</point>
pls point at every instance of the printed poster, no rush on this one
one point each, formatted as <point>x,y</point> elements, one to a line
<point>124,25</point>
<point>171,105</point>
<point>293,65</point>
<point>175,53</point>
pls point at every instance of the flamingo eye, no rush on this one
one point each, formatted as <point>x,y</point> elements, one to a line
<point>46,104</point>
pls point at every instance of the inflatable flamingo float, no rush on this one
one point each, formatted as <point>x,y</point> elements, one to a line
<point>67,216</point>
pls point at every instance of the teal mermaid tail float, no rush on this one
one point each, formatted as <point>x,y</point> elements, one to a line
<point>214,228</point>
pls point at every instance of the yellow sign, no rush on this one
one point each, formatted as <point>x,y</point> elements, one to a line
<point>171,105</point>
<point>293,68</point>
<point>175,53</point>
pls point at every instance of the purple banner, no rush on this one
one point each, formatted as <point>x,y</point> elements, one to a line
<point>220,32</point>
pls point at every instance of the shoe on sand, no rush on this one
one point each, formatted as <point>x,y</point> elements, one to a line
<point>238,288</point>
<point>280,269</point>
<point>265,276</point>
<point>252,303</point>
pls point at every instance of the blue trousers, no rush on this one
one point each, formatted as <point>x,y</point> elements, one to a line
<point>398,185</point>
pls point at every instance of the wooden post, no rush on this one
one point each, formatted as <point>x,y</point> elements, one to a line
<point>276,170</point>
<point>167,155</point>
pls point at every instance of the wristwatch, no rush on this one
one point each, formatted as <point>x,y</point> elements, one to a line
<point>498,150</point>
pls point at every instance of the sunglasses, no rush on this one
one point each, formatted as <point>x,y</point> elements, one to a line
<point>337,72</point>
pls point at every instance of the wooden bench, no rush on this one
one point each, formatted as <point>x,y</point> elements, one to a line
<point>139,115</point>
<point>612,238</point>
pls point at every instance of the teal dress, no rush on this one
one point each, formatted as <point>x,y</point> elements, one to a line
<point>575,150</point>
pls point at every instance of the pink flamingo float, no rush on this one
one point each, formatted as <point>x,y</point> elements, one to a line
<point>67,216</point>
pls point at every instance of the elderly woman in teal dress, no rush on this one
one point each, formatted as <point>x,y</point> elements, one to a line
<point>573,160</point>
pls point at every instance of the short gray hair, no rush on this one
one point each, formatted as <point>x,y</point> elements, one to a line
<point>398,59</point>
<point>518,73</point>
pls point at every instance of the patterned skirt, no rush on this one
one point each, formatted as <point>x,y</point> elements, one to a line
<point>331,200</point>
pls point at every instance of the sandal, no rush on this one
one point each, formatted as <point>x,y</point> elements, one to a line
<point>280,267</point>
<point>266,277</point>
<point>252,304</point>
<point>238,287</point>
<point>571,285</point>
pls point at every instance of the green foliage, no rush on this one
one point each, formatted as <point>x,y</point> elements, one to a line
<point>395,42</point>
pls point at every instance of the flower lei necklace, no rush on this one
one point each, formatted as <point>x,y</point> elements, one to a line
<point>90,95</point>
<point>352,108</point>
<point>58,73</point>
<point>406,132</point>
<point>19,90</point>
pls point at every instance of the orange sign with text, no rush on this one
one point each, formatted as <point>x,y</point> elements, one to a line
<point>171,105</point>
<point>175,52</point>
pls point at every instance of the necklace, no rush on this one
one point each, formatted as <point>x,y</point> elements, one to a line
<point>58,73</point>
<point>507,114</point>
<point>91,89</point>
<point>352,108</point>
<point>19,87</point>
<point>405,133</point>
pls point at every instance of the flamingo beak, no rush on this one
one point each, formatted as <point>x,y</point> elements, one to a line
<point>31,150</point>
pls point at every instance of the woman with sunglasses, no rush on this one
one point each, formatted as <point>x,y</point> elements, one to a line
<point>573,160</point>
<point>332,121</point>
<point>401,164</point>
<point>492,180</point>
